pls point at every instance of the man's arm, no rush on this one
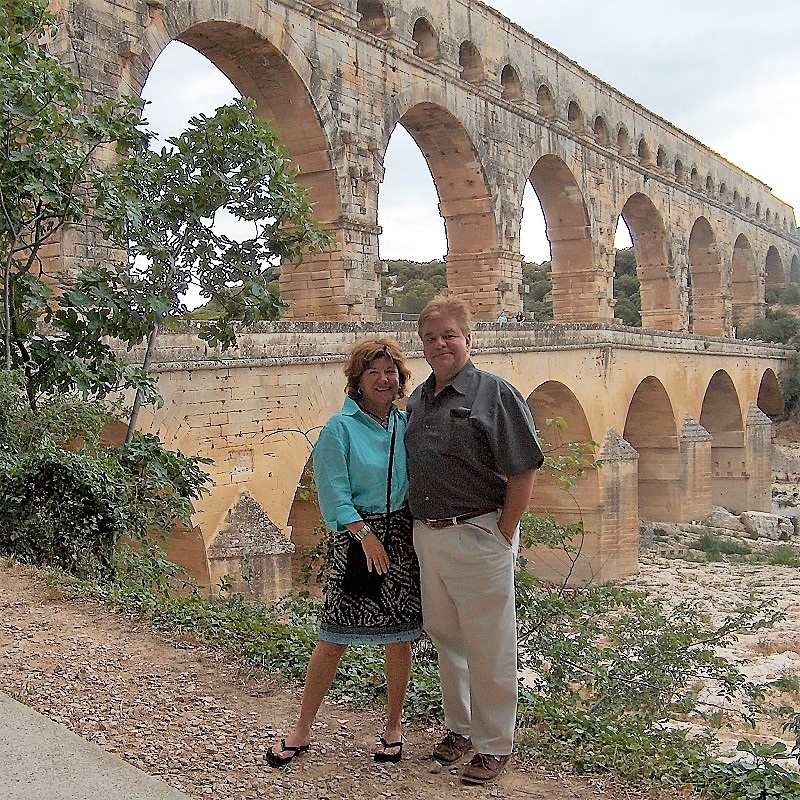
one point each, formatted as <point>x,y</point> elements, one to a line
<point>519,489</point>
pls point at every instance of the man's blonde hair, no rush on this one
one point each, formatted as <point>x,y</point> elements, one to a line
<point>446,306</point>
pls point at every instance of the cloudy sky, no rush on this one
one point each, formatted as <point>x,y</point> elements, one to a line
<point>727,72</point>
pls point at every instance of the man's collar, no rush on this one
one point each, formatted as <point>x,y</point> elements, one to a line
<point>459,383</point>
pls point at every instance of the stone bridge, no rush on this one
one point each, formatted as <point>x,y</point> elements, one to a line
<point>680,411</point>
<point>681,422</point>
<point>491,109</point>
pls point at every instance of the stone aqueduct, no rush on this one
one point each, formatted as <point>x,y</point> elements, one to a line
<point>680,411</point>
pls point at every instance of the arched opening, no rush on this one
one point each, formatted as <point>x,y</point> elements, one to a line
<point>575,281</point>
<point>709,186</point>
<point>694,179</point>
<point>374,18</point>
<point>650,428</point>
<point>282,97</point>
<point>660,302</point>
<point>464,204</point>
<point>511,86</point>
<point>471,63</point>
<point>409,231</point>
<point>544,99</point>
<point>575,117</point>
<point>747,302</point>
<point>427,41</point>
<point>561,422</point>
<point>643,153</point>
<point>721,416</point>
<point>623,142</point>
<point>707,297</point>
<point>680,174</point>
<point>770,397</point>
<point>601,132</point>
<point>774,278</point>
<point>661,158</point>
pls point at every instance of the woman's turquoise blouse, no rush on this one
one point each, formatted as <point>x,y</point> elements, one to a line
<point>351,462</point>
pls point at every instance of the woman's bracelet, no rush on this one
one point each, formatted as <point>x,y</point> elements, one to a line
<point>361,532</point>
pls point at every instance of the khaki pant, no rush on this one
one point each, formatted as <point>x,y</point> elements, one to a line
<point>467,578</point>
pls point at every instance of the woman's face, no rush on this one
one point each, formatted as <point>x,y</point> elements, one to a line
<point>379,383</point>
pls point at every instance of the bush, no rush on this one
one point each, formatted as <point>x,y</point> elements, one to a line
<point>67,497</point>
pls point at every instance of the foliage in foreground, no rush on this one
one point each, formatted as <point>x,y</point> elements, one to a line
<point>67,496</point>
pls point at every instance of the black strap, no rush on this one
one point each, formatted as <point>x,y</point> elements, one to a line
<point>389,478</point>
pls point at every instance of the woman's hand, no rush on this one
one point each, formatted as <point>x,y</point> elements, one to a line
<point>377,557</point>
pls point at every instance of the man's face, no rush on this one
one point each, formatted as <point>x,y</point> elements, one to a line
<point>445,346</point>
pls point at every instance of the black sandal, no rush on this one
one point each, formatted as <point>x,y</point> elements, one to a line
<point>274,760</point>
<point>389,758</point>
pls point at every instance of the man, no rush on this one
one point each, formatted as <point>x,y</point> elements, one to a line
<point>472,455</point>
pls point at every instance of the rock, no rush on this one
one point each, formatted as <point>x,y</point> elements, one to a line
<point>722,518</point>
<point>761,524</point>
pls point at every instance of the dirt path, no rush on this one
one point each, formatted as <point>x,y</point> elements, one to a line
<point>188,716</point>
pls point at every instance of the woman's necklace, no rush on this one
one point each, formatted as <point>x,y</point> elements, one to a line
<point>384,420</point>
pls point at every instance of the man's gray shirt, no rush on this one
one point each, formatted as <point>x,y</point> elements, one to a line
<point>464,443</point>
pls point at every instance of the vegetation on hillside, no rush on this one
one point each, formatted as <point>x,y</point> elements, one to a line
<point>412,284</point>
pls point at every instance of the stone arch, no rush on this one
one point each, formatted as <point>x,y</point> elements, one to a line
<point>709,186</point>
<point>651,429</point>
<point>544,99</point>
<point>706,299</point>
<point>643,152</point>
<point>694,179</point>
<point>774,277</point>
<point>758,209</point>
<point>770,396</point>
<point>600,130</point>
<point>471,62</point>
<point>510,83</point>
<point>736,199</point>
<point>657,288</point>
<point>746,297</point>
<point>661,158</point>
<point>723,192</point>
<point>567,226</point>
<point>721,416</point>
<point>374,17</point>
<point>265,63</point>
<point>465,203</point>
<point>427,40</point>
<point>680,173</point>
<point>550,401</point>
<point>624,142</point>
<point>575,116</point>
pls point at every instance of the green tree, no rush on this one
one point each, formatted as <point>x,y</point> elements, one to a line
<point>49,172</point>
<point>163,207</point>
<point>626,288</point>
<point>778,326</point>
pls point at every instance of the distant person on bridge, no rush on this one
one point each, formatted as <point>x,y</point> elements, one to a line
<point>372,595</point>
<point>472,455</point>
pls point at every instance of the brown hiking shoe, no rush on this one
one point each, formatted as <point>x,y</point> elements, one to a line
<point>484,768</point>
<point>451,748</point>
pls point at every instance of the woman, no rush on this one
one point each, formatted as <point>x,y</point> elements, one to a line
<point>360,472</point>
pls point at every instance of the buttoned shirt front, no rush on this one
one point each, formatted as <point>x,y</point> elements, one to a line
<point>464,443</point>
<point>351,462</point>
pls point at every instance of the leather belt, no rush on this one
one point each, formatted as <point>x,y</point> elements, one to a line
<point>448,522</point>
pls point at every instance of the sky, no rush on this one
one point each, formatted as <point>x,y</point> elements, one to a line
<point>726,72</point>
